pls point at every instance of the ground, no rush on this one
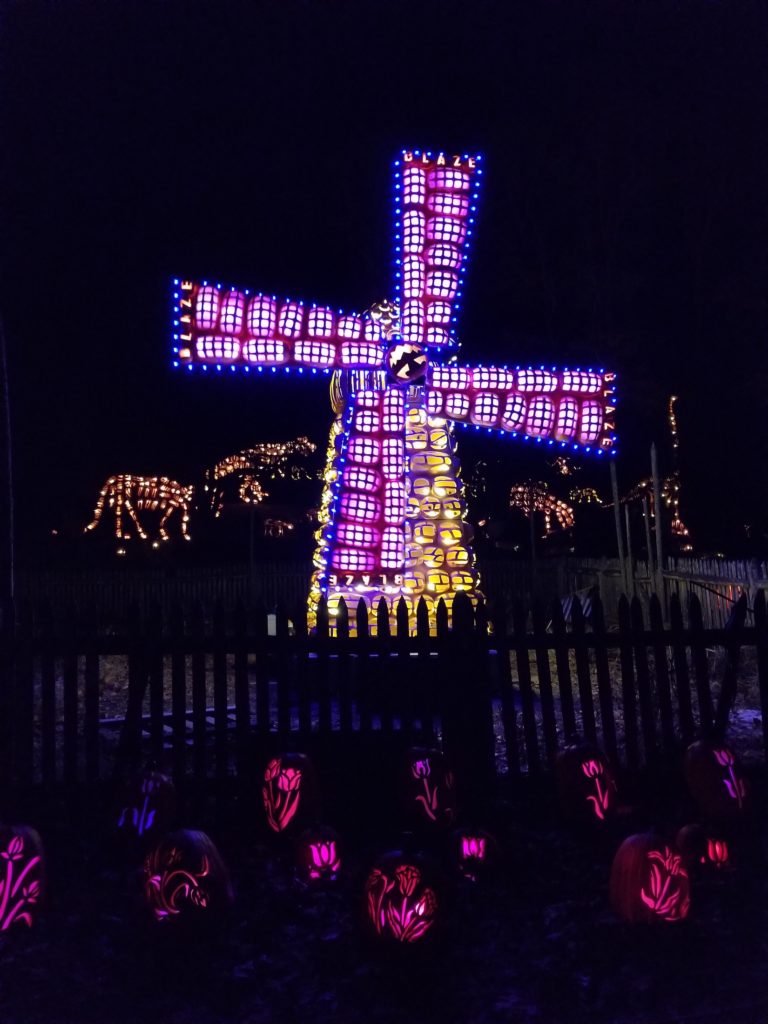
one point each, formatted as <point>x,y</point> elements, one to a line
<point>537,943</point>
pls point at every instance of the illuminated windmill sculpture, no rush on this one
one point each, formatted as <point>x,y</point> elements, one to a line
<point>392,510</point>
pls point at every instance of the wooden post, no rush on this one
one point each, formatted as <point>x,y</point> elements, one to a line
<point>617,523</point>
<point>658,520</point>
<point>648,547</point>
<point>630,567</point>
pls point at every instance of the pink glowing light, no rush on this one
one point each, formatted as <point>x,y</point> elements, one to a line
<point>20,884</point>
<point>601,799</point>
<point>667,897</point>
<point>281,794</point>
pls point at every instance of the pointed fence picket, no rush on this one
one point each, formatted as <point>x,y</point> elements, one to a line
<point>206,693</point>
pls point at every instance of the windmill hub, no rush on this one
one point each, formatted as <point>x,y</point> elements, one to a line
<point>406,362</point>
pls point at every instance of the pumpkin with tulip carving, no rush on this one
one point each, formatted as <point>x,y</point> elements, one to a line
<point>716,782</point>
<point>428,788</point>
<point>649,881</point>
<point>289,792</point>
<point>185,880</point>
<point>318,855</point>
<point>475,853</point>
<point>703,850</point>
<point>148,808</point>
<point>22,877</point>
<point>401,899</point>
<point>586,787</point>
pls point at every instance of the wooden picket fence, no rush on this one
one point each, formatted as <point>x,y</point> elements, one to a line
<point>200,694</point>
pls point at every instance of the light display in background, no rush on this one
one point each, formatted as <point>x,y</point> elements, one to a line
<point>531,498</point>
<point>267,460</point>
<point>670,486</point>
<point>127,495</point>
<point>392,515</point>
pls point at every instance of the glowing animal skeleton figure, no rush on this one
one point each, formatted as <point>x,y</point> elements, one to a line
<point>536,498</point>
<point>268,459</point>
<point>392,511</point>
<point>133,494</point>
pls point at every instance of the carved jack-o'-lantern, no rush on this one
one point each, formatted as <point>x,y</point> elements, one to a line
<point>428,788</point>
<point>22,878</point>
<point>185,880</point>
<point>585,784</point>
<point>475,853</point>
<point>701,850</point>
<point>715,780</point>
<point>649,881</point>
<point>402,903</point>
<point>149,807</point>
<point>318,855</point>
<point>289,792</point>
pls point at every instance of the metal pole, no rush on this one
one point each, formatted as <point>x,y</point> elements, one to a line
<point>617,523</point>
<point>657,513</point>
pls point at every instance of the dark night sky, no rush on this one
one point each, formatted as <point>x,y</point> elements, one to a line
<point>623,220</point>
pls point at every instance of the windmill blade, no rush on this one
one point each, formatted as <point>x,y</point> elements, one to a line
<point>436,199</point>
<point>221,327</point>
<point>571,407</point>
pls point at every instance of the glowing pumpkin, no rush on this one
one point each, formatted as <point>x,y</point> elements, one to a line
<point>149,807</point>
<point>289,792</point>
<point>185,880</point>
<point>585,784</point>
<point>649,881</point>
<point>475,853</point>
<point>401,899</point>
<point>702,850</point>
<point>22,877</point>
<point>428,788</point>
<point>318,855</point>
<point>715,780</point>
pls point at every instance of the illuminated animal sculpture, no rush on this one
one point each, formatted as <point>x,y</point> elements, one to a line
<point>266,460</point>
<point>392,511</point>
<point>537,498</point>
<point>126,494</point>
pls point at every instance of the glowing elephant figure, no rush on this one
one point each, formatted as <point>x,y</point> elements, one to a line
<point>392,513</point>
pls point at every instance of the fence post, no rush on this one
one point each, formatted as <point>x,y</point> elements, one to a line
<point>761,631</point>
<point>733,631</point>
<point>699,656</point>
<point>629,706</point>
<point>467,719</point>
<point>129,750</point>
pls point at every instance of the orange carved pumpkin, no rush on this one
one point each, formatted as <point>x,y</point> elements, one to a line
<point>289,793</point>
<point>402,904</point>
<point>586,787</point>
<point>716,782</point>
<point>429,792</point>
<point>649,881</point>
<point>185,880</point>
<point>148,808</point>
<point>475,853</point>
<point>22,876</point>
<point>702,849</point>
<point>318,855</point>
